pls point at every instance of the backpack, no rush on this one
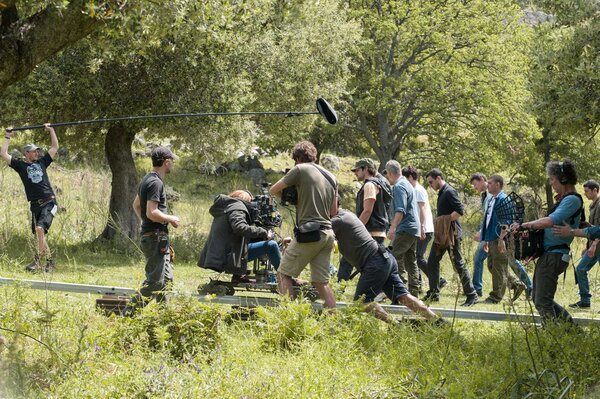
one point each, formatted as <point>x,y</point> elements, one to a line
<point>529,244</point>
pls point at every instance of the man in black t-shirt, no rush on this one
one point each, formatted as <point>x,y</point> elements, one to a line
<point>448,235</point>
<point>150,206</point>
<point>39,193</point>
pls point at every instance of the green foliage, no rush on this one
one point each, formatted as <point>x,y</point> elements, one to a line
<point>441,81</point>
<point>564,84</point>
<point>184,328</point>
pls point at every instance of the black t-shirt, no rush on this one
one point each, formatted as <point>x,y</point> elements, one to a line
<point>152,189</point>
<point>354,241</point>
<point>34,177</point>
<point>448,202</point>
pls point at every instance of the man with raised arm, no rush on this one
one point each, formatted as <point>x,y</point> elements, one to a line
<point>42,201</point>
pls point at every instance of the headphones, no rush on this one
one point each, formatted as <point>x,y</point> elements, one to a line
<point>562,178</point>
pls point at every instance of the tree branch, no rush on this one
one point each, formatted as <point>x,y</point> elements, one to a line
<point>26,43</point>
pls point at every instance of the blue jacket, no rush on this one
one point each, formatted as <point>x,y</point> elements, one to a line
<point>492,232</point>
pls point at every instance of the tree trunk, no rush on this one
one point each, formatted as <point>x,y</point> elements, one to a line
<point>546,150</point>
<point>121,219</point>
<point>25,43</point>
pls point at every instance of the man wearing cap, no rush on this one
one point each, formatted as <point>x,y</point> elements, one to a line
<point>372,203</point>
<point>39,193</point>
<point>150,206</point>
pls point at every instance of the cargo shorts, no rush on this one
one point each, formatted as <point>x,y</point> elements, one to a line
<point>318,254</point>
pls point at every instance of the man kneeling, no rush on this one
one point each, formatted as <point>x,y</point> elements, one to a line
<point>378,268</point>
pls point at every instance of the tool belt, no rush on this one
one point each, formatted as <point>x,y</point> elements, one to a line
<point>42,201</point>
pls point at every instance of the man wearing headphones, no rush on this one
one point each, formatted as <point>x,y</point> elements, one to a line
<point>554,261</point>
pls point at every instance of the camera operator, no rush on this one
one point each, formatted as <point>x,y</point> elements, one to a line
<point>314,239</point>
<point>555,259</point>
<point>227,248</point>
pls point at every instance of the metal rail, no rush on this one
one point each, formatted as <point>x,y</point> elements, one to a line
<point>252,301</point>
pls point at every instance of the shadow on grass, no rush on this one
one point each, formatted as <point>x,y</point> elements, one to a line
<point>20,249</point>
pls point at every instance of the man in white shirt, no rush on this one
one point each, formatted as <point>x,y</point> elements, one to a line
<point>425,217</point>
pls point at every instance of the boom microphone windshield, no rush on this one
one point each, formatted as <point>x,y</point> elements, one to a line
<point>323,108</point>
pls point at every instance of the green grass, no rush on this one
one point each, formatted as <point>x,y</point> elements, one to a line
<point>187,349</point>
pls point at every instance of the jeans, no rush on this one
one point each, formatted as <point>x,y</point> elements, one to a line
<point>421,248</point>
<point>432,271</point>
<point>478,260</point>
<point>519,270</point>
<point>269,248</point>
<point>585,265</point>
<point>345,269</point>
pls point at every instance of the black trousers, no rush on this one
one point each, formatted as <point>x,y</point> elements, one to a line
<point>432,270</point>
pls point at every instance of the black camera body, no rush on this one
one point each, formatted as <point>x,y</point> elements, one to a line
<point>263,210</point>
<point>289,195</point>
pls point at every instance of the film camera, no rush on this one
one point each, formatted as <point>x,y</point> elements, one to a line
<point>263,210</point>
<point>289,195</point>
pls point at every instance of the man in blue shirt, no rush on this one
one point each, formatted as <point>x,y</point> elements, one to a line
<point>405,229</point>
<point>496,216</point>
<point>555,259</point>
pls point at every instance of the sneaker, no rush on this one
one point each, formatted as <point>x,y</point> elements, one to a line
<point>580,305</point>
<point>518,291</point>
<point>50,266</point>
<point>33,266</point>
<point>431,296</point>
<point>443,282</point>
<point>380,297</point>
<point>471,300</point>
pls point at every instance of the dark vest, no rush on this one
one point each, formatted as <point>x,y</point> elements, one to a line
<point>379,217</point>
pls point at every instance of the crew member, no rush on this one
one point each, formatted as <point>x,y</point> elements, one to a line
<point>314,239</point>
<point>228,247</point>
<point>377,266</point>
<point>555,259</point>
<point>150,206</point>
<point>42,201</point>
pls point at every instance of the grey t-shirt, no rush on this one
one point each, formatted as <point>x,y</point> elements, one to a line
<point>315,193</point>
<point>354,241</point>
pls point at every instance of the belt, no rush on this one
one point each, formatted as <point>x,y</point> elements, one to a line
<point>155,233</point>
<point>42,201</point>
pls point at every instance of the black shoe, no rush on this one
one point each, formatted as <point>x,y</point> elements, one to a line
<point>580,305</point>
<point>441,322</point>
<point>50,266</point>
<point>471,300</point>
<point>518,291</point>
<point>490,301</point>
<point>479,294</point>
<point>34,266</point>
<point>431,296</point>
<point>236,278</point>
<point>443,283</point>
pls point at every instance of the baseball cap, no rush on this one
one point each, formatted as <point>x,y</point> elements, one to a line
<point>362,163</point>
<point>30,147</point>
<point>162,153</point>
